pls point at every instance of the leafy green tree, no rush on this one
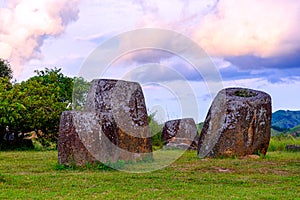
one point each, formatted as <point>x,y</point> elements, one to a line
<point>9,113</point>
<point>5,84</point>
<point>47,95</point>
<point>54,76</point>
<point>80,92</point>
<point>5,69</point>
<point>155,131</point>
<point>36,104</point>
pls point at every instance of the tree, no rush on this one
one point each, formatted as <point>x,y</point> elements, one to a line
<point>47,95</point>
<point>5,69</point>
<point>54,76</point>
<point>155,131</point>
<point>80,92</point>
<point>36,104</point>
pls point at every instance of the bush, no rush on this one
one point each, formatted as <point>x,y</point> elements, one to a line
<point>155,131</point>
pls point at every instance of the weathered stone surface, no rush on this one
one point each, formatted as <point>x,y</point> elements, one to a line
<point>71,148</point>
<point>238,123</point>
<point>114,126</point>
<point>180,134</point>
<point>123,99</point>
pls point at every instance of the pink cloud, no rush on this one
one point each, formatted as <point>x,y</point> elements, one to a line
<point>25,24</point>
<point>263,28</point>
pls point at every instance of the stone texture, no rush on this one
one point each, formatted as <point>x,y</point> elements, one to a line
<point>71,148</point>
<point>238,123</point>
<point>180,134</point>
<point>113,126</point>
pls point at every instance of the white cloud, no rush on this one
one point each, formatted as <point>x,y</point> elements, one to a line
<point>25,24</point>
<point>178,15</point>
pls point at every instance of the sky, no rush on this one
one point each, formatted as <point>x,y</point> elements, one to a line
<point>249,43</point>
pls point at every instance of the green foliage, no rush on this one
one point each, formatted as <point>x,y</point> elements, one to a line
<point>200,127</point>
<point>2,179</point>
<point>109,166</point>
<point>245,93</point>
<point>5,84</point>
<point>35,105</point>
<point>120,164</point>
<point>277,129</point>
<point>5,69</point>
<point>275,132</point>
<point>80,92</point>
<point>63,167</point>
<point>296,129</point>
<point>103,167</point>
<point>155,131</point>
<point>278,143</point>
<point>62,85</point>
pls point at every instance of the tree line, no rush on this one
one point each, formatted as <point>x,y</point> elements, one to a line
<point>32,106</point>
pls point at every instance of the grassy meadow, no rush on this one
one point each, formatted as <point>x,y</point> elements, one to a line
<point>36,175</point>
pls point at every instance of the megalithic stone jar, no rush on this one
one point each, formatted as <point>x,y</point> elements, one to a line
<point>180,134</point>
<point>238,123</point>
<point>113,126</point>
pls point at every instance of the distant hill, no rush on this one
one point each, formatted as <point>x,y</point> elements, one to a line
<point>284,120</point>
<point>295,132</point>
<point>274,132</point>
<point>296,129</point>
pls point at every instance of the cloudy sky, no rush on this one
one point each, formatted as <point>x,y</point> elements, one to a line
<point>250,43</point>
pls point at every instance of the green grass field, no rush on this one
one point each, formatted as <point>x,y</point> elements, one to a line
<point>36,175</point>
